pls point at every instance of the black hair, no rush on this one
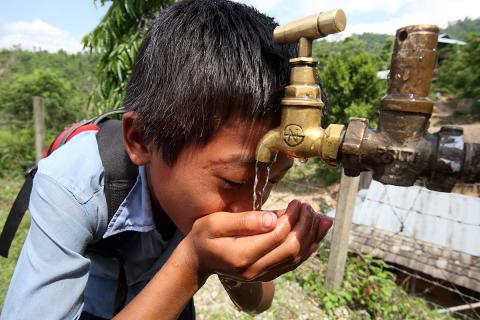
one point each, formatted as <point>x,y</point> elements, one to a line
<point>200,63</point>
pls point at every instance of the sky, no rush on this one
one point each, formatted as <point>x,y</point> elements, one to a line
<point>60,24</point>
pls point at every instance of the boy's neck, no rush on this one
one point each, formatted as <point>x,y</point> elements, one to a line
<point>163,223</point>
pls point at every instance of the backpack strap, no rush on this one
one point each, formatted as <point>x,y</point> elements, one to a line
<point>120,173</point>
<point>120,176</point>
<point>15,216</point>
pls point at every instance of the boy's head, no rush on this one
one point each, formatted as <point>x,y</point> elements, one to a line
<point>205,88</point>
<point>201,64</point>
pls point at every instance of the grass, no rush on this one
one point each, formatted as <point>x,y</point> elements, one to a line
<point>8,191</point>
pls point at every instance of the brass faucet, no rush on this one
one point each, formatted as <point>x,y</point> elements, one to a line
<point>400,151</point>
<point>300,134</point>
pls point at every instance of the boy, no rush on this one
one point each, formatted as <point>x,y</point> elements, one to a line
<point>204,89</point>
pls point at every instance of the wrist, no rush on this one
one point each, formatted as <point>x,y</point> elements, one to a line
<point>187,261</point>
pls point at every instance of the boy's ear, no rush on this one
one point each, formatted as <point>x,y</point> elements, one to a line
<point>139,150</point>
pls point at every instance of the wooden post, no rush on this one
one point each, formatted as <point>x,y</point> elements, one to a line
<point>341,231</point>
<point>39,123</point>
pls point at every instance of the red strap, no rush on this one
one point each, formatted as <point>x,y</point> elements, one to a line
<point>56,143</point>
<point>87,127</point>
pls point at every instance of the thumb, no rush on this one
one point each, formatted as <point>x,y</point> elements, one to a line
<point>231,224</point>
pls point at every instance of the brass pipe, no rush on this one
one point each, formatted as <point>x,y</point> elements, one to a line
<point>312,27</point>
<point>304,47</point>
<point>401,151</point>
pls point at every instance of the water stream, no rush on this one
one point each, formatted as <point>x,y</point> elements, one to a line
<point>262,175</point>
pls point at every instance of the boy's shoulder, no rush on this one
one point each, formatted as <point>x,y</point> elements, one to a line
<point>76,166</point>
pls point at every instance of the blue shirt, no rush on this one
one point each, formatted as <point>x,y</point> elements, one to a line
<point>55,277</point>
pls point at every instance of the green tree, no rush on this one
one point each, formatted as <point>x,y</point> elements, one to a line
<point>461,28</point>
<point>16,98</point>
<point>352,86</point>
<point>467,81</point>
<point>117,40</point>
<point>458,74</point>
<point>78,70</point>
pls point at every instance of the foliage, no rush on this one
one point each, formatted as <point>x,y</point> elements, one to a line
<point>64,80</point>
<point>351,83</point>
<point>16,97</point>
<point>117,40</point>
<point>458,74</point>
<point>349,74</point>
<point>461,28</point>
<point>368,285</point>
<point>16,151</point>
<point>379,46</point>
<point>76,69</point>
<point>16,133</point>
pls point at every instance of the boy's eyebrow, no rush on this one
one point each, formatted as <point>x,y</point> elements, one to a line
<point>240,159</point>
<point>234,158</point>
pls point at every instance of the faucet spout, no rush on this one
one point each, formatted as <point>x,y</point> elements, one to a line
<point>268,146</point>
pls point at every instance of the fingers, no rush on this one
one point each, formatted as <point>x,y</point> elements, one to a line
<point>282,268</point>
<point>225,224</point>
<point>249,249</point>
<point>324,224</point>
<point>295,248</point>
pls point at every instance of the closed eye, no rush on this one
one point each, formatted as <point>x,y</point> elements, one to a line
<point>232,184</point>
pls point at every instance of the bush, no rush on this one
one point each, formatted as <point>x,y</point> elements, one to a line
<point>368,286</point>
<point>458,74</point>
<point>17,152</point>
<point>350,81</point>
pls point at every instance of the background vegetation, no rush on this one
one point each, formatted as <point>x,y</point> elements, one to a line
<point>64,80</point>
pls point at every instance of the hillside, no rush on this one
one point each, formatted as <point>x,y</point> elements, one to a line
<point>461,28</point>
<point>78,71</point>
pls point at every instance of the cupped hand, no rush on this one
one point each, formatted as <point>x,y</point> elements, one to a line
<point>255,245</point>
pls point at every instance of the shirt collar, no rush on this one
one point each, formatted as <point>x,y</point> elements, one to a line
<point>135,212</point>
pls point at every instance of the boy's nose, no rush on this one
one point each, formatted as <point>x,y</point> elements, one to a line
<point>244,201</point>
<point>241,206</point>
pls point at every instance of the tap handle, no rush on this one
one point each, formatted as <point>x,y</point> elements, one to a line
<point>313,27</point>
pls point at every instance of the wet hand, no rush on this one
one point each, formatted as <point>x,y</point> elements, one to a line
<point>301,242</point>
<point>255,245</point>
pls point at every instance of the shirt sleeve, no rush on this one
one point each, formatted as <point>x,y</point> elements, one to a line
<point>51,273</point>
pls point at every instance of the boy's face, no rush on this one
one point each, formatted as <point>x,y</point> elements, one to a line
<point>216,177</point>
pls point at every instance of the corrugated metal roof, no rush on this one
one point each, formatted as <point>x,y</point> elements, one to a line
<point>445,38</point>
<point>444,219</point>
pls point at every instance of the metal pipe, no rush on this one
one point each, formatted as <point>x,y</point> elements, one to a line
<point>400,151</point>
